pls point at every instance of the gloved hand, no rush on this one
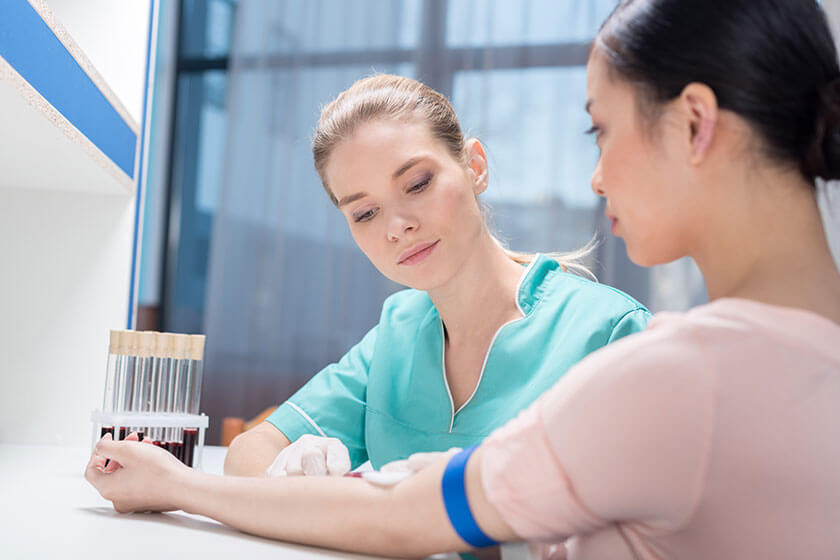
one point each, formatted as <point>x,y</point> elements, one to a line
<point>418,461</point>
<point>311,456</point>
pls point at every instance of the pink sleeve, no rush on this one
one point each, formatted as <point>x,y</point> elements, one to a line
<point>623,437</point>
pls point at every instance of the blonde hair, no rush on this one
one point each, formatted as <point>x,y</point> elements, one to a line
<point>385,96</point>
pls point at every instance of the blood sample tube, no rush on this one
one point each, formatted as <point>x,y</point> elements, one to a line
<point>125,377</point>
<point>109,395</point>
<point>142,366</point>
<point>176,389</point>
<point>160,368</point>
<point>195,370</point>
<point>119,399</point>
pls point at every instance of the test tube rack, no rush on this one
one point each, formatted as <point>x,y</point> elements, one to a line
<point>153,387</point>
<point>128,420</point>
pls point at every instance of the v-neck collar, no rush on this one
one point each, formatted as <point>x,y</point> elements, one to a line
<point>529,290</point>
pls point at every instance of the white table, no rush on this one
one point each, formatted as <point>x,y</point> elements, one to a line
<point>50,511</point>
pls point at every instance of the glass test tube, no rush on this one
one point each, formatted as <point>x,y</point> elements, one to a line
<point>160,374</point>
<point>109,396</point>
<point>130,344</point>
<point>192,394</point>
<point>142,366</point>
<point>176,390</point>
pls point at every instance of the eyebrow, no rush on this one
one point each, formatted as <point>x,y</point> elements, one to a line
<point>589,103</point>
<point>351,198</point>
<point>406,166</point>
<point>403,168</point>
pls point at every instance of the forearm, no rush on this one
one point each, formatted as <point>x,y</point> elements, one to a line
<point>345,513</point>
<point>252,452</point>
<point>342,513</point>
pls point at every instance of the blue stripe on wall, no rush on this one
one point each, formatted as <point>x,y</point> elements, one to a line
<point>30,46</point>
<point>140,199</point>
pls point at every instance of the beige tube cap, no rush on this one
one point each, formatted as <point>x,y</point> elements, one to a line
<point>130,343</point>
<point>180,346</point>
<point>163,345</point>
<point>146,343</point>
<point>196,350</point>
<point>116,343</point>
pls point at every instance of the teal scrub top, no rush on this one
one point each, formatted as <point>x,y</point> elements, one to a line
<point>388,397</point>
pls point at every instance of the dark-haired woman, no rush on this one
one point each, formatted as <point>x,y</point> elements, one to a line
<point>714,434</point>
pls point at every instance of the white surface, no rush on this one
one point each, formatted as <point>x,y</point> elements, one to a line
<point>113,36</point>
<point>50,511</point>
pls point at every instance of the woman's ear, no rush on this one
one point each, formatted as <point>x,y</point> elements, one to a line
<point>699,103</point>
<point>476,165</point>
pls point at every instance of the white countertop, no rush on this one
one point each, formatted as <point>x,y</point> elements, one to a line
<point>50,511</point>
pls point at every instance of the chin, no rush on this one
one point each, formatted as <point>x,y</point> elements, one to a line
<point>408,280</point>
<point>422,284</point>
<point>649,256</point>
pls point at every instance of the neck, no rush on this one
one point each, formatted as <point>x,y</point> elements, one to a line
<point>481,296</point>
<point>770,245</point>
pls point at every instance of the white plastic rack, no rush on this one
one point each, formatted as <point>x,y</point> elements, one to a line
<point>119,420</point>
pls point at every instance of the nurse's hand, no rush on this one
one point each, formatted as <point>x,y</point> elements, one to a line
<point>139,476</point>
<point>311,456</point>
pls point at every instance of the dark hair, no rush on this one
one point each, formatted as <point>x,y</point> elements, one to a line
<point>773,62</point>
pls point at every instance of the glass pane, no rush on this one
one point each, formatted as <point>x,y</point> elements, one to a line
<point>198,157</point>
<point>206,27</point>
<point>270,155</point>
<point>473,23</point>
<point>326,26</point>
<point>532,122</point>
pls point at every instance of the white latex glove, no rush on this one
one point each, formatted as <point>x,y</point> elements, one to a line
<point>418,461</point>
<point>311,456</point>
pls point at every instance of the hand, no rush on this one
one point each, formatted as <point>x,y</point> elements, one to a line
<point>311,456</point>
<point>418,461</point>
<point>139,476</point>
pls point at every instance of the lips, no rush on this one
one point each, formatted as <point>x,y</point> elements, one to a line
<point>613,221</point>
<point>408,255</point>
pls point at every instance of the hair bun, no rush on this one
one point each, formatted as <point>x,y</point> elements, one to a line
<point>823,157</point>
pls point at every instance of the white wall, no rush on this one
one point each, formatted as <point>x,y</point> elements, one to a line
<point>66,246</point>
<point>113,35</point>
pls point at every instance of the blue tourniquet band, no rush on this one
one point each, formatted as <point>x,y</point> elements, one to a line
<point>455,502</point>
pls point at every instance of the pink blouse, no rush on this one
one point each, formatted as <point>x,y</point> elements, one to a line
<point>713,434</point>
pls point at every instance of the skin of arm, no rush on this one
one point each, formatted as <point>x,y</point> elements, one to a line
<point>344,513</point>
<point>252,452</point>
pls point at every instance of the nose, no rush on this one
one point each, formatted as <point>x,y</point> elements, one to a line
<point>596,182</point>
<point>399,224</point>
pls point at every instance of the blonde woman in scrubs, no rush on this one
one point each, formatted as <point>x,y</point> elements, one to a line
<point>713,434</point>
<point>481,333</point>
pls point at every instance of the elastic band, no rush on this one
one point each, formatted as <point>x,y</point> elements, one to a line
<point>455,502</point>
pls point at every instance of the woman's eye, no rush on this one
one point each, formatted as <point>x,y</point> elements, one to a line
<point>364,217</point>
<point>420,186</point>
<point>594,130</point>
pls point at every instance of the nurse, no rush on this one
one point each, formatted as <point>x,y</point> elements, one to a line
<point>482,332</point>
<point>713,434</point>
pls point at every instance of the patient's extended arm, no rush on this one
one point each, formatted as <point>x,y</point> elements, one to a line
<point>344,513</point>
